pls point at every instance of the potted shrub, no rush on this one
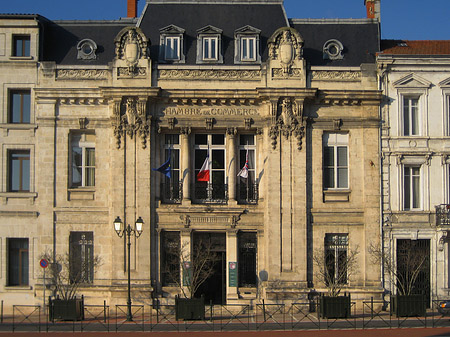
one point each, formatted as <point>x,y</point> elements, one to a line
<point>334,270</point>
<point>408,301</point>
<point>196,267</point>
<point>66,277</point>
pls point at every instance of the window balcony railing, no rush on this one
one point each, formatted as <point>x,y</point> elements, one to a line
<point>443,215</point>
<point>248,193</point>
<point>210,193</point>
<point>172,193</point>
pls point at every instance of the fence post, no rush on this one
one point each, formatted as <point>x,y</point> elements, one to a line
<point>1,313</point>
<point>104,311</point>
<point>264,310</point>
<point>371,307</point>
<point>211,310</point>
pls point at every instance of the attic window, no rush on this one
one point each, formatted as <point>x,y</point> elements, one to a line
<point>402,44</point>
<point>332,50</point>
<point>209,45</point>
<point>246,46</point>
<point>86,50</point>
<point>171,43</point>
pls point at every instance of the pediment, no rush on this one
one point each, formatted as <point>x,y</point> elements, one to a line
<point>445,83</point>
<point>412,81</point>
<point>209,30</point>
<point>172,29</point>
<point>248,30</point>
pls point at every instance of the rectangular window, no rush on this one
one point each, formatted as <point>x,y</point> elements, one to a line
<point>19,171</point>
<point>170,258</point>
<point>172,186</point>
<point>21,46</point>
<point>411,187</point>
<point>19,106</point>
<point>83,160</point>
<point>172,48</point>
<point>247,243</point>
<point>410,116</point>
<point>210,48</point>
<point>335,161</point>
<point>81,257</point>
<point>336,247</point>
<point>248,49</point>
<point>213,146</point>
<point>248,189</point>
<point>17,262</point>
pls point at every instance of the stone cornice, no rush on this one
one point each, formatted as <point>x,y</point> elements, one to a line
<point>350,97</point>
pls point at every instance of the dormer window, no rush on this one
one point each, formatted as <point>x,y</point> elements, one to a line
<point>171,45</point>
<point>247,45</point>
<point>332,50</point>
<point>209,45</point>
<point>172,48</point>
<point>86,49</point>
<point>210,48</point>
<point>248,48</point>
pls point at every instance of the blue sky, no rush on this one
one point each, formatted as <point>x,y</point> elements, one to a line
<point>400,19</point>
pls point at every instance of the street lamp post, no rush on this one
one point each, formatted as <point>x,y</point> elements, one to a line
<point>128,231</point>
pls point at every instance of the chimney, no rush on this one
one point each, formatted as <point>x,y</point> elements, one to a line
<point>132,8</point>
<point>373,9</point>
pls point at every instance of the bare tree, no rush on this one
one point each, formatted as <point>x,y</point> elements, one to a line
<point>196,266</point>
<point>65,278</point>
<point>334,270</point>
<point>412,262</point>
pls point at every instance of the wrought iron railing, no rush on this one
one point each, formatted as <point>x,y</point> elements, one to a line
<point>172,193</point>
<point>210,193</point>
<point>248,193</point>
<point>443,215</point>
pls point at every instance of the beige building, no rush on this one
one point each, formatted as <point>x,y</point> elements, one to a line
<point>90,108</point>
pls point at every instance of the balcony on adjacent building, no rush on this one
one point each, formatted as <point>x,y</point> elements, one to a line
<point>443,215</point>
<point>172,193</point>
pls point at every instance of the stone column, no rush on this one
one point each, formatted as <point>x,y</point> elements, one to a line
<point>231,164</point>
<point>185,161</point>
<point>231,262</point>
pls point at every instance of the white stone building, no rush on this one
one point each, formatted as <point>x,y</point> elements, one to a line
<point>415,79</point>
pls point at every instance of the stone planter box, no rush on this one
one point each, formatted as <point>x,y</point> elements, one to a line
<point>335,307</point>
<point>66,310</point>
<point>408,305</point>
<point>189,308</point>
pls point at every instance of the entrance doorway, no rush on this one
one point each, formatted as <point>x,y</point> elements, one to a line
<point>413,266</point>
<point>214,287</point>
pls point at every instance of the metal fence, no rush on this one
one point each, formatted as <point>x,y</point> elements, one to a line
<point>296,316</point>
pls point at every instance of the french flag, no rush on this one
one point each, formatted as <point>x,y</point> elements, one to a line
<point>203,175</point>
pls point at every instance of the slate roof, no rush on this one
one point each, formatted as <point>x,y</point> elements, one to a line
<point>228,17</point>
<point>61,39</point>
<point>415,47</point>
<point>359,37</point>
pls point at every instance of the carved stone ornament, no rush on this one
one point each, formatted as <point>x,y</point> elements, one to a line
<point>130,118</point>
<point>285,45</point>
<point>288,122</point>
<point>131,46</point>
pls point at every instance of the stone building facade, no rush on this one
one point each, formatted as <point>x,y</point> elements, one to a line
<point>414,77</point>
<point>90,108</point>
